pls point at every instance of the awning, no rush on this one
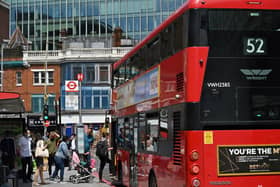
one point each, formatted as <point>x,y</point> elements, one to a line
<point>11,103</point>
<point>15,64</point>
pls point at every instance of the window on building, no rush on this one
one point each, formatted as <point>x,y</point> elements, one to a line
<point>101,99</point>
<point>18,78</point>
<point>90,73</point>
<point>104,73</point>
<point>96,98</point>
<point>41,77</point>
<point>38,103</point>
<point>76,71</point>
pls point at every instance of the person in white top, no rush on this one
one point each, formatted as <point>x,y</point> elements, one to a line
<point>24,144</point>
<point>72,149</point>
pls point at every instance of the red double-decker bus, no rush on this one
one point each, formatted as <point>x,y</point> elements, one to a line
<point>197,102</point>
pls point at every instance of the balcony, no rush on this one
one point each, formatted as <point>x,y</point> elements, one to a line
<point>77,54</point>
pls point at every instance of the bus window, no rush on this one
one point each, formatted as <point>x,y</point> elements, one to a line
<point>154,57</point>
<point>152,132</point>
<point>115,79</point>
<point>166,45</point>
<point>127,133</point>
<point>128,74</point>
<point>121,133</point>
<point>178,34</point>
<point>142,131</point>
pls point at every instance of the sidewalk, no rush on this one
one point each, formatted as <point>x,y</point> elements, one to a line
<point>68,183</point>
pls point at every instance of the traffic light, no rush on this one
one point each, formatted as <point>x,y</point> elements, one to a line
<point>46,113</point>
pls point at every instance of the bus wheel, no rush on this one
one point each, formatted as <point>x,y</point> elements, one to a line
<point>152,180</point>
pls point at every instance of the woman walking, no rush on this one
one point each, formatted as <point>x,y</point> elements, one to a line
<point>41,152</point>
<point>61,155</point>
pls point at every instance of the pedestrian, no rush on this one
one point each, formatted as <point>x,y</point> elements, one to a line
<point>61,155</point>
<point>52,147</point>
<point>72,149</point>
<point>102,148</point>
<point>88,141</point>
<point>7,147</point>
<point>41,152</point>
<point>24,144</point>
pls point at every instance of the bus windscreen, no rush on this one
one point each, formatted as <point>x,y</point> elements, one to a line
<point>243,33</point>
<point>242,82</point>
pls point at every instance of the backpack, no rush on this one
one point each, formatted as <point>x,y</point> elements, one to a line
<point>101,149</point>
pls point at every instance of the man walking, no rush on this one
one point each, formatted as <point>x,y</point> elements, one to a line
<point>26,156</point>
<point>102,148</point>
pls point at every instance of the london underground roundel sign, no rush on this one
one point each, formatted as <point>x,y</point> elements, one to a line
<point>71,86</point>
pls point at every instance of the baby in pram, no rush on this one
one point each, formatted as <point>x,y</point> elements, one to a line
<point>84,170</point>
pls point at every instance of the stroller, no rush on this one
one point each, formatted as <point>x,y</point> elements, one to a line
<point>83,170</point>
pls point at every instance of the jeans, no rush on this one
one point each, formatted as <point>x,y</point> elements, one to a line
<point>26,163</point>
<point>103,161</point>
<point>50,163</point>
<point>59,165</point>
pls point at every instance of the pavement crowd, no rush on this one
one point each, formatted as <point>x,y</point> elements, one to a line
<point>107,179</point>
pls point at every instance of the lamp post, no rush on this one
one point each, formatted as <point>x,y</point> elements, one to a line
<point>2,66</point>
<point>45,85</point>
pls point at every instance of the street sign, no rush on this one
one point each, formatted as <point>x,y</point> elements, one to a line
<point>80,77</point>
<point>47,123</point>
<point>71,86</point>
<point>72,102</point>
<point>37,121</point>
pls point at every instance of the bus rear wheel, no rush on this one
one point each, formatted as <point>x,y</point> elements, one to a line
<point>152,180</point>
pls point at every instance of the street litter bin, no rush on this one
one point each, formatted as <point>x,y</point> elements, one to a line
<point>3,174</point>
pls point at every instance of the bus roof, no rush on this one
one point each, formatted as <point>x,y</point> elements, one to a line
<point>238,4</point>
<point>11,103</point>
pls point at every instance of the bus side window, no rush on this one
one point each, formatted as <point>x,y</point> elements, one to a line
<point>166,44</point>
<point>116,79</point>
<point>128,74</point>
<point>142,131</point>
<point>152,132</point>
<point>121,132</point>
<point>122,74</point>
<point>154,57</point>
<point>178,34</point>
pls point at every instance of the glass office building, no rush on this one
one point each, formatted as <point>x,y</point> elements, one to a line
<point>41,20</point>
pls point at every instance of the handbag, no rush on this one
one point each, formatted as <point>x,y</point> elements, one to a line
<point>40,150</point>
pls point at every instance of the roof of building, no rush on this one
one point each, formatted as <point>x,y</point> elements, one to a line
<point>17,39</point>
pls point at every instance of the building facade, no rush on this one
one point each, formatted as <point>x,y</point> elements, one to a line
<point>51,20</point>
<point>93,63</point>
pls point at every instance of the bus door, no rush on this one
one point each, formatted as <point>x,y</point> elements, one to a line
<point>133,128</point>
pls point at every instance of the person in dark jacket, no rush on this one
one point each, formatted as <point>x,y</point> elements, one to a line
<point>102,155</point>
<point>8,149</point>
